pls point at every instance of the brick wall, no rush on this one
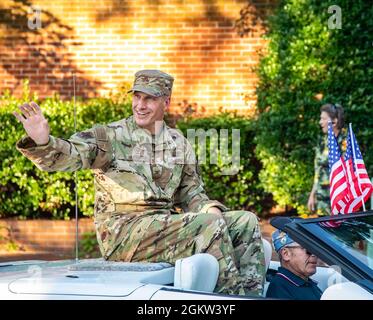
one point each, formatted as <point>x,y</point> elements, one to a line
<point>44,235</point>
<point>104,42</point>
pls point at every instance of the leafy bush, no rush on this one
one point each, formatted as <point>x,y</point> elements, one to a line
<point>7,242</point>
<point>241,190</point>
<point>88,246</point>
<point>307,65</point>
<point>27,192</point>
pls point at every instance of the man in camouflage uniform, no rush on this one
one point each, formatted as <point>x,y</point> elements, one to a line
<point>143,171</point>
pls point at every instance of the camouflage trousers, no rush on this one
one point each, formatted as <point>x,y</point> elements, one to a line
<point>323,201</point>
<point>233,237</point>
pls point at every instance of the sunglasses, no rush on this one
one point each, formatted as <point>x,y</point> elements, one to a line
<point>300,247</point>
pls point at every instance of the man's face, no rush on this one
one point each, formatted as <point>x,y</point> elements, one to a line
<point>299,260</point>
<point>147,109</point>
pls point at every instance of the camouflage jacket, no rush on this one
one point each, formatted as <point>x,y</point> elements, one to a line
<point>135,173</point>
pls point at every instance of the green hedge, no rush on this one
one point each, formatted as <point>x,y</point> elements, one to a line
<point>307,60</point>
<point>27,192</point>
<point>242,190</point>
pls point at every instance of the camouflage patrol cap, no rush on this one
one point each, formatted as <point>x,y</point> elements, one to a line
<point>153,82</point>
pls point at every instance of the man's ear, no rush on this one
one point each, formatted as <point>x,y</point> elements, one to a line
<point>167,103</point>
<point>285,253</point>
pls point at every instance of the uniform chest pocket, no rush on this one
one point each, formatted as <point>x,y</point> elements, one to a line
<point>123,158</point>
<point>123,165</point>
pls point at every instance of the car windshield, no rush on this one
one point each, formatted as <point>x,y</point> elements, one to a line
<point>355,236</point>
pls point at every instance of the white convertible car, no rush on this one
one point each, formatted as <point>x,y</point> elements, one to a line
<point>346,250</point>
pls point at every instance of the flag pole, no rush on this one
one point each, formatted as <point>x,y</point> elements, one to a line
<point>355,165</point>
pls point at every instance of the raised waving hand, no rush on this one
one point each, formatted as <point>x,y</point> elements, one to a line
<point>34,123</point>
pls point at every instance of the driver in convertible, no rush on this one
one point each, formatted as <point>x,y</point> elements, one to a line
<point>292,281</point>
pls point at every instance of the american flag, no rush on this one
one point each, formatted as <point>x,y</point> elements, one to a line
<point>339,191</point>
<point>358,180</point>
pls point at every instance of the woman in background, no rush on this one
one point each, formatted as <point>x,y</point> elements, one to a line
<point>319,198</point>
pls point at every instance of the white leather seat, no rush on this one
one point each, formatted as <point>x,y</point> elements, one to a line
<point>198,272</point>
<point>267,252</point>
<point>346,291</point>
<point>267,258</point>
